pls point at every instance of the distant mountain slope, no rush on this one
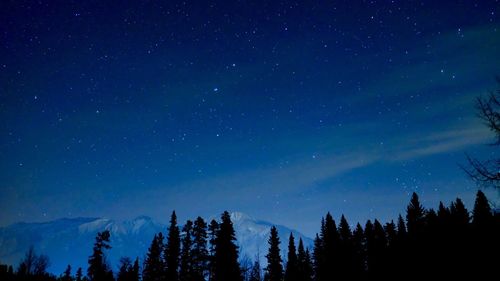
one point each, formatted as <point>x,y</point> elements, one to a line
<point>69,241</point>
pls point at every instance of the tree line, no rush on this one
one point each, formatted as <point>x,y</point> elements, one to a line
<point>449,242</point>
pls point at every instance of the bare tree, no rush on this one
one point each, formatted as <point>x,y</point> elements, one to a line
<point>487,172</point>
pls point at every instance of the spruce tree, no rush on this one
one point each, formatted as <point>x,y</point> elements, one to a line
<point>331,247</point>
<point>186,263</point>
<point>291,271</point>
<point>481,214</point>
<point>274,267</point>
<point>135,275</point>
<point>459,214</point>
<point>346,260</point>
<point>172,250</point>
<point>318,257</point>
<point>199,252</point>
<point>213,229</point>
<point>226,267</point>
<point>154,265</point>
<point>359,252</point>
<point>98,270</point>
<point>67,274</point>
<point>401,228</point>
<point>415,216</point>
<point>125,272</point>
<point>255,272</point>
<point>304,266</point>
<point>79,274</point>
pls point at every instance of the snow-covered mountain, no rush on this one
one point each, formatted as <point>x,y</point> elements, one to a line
<point>69,241</point>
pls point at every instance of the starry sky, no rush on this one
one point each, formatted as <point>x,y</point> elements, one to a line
<point>283,110</point>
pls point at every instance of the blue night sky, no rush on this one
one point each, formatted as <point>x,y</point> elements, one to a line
<point>281,110</point>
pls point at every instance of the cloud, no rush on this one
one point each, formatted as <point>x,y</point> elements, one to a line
<point>442,142</point>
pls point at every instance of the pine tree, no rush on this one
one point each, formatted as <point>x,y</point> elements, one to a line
<point>98,270</point>
<point>304,266</point>
<point>481,214</point>
<point>414,216</point>
<point>226,267</point>
<point>135,275</point>
<point>346,260</point>
<point>125,272</point>
<point>459,214</point>
<point>291,273</point>
<point>274,267</point>
<point>213,229</point>
<point>67,274</point>
<point>186,263</point>
<point>172,250</point>
<point>318,257</point>
<point>79,274</point>
<point>199,253</point>
<point>154,264</point>
<point>255,272</point>
<point>331,246</point>
<point>359,251</point>
<point>401,228</point>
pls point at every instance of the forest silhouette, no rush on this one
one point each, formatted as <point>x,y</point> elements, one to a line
<point>446,243</point>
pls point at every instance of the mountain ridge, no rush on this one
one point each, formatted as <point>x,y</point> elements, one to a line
<point>69,240</point>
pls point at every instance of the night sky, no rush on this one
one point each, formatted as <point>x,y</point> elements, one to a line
<point>281,110</point>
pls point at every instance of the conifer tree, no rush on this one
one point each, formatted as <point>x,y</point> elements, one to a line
<point>226,267</point>
<point>67,274</point>
<point>481,214</point>
<point>318,257</point>
<point>213,229</point>
<point>172,250</point>
<point>79,274</point>
<point>199,253</point>
<point>401,228</point>
<point>126,270</point>
<point>274,267</point>
<point>291,273</point>
<point>186,263</point>
<point>359,252</point>
<point>331,246</point>
<point>304,266</point>
<point>414,216</point>
<point>154,265</point>
<point>459,214</point>
<point>346,260</point>
<point>98,270</point>
<point>255,272</point>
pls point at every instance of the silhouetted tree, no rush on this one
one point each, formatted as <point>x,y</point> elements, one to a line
<point>154,266</point>
<point>291,270</point>
<point>481,214</point>
<point>172,250</point>
<point>318,257</point>
<point>67,274</point>
<point>359,252</point>
<point>414,216</point>
<point>226,267</point>
<point>213,229</point>
<point>79,274</point>
<point>274,267</point>
<point>255,272</point>
<point>199,253</point>
<point>98,269</point>
<point>304,265</point>
<point>128,271</point>
<point>186,263</point>
<point>487,173</point>
<point>346,260</point>
<point>331,245</point>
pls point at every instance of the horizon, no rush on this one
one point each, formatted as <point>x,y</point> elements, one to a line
<point>280,110</point>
